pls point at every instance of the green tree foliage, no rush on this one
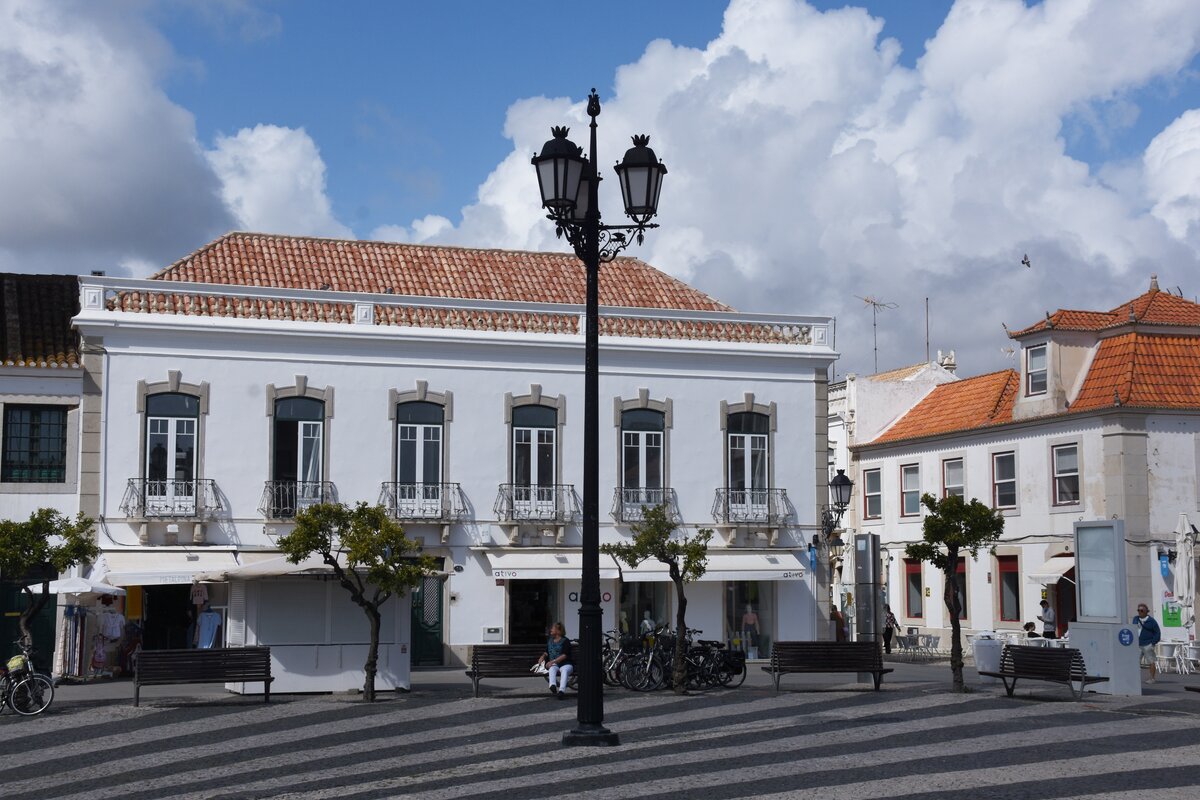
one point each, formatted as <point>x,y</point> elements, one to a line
<point>657,537</point>
<point>370,557</point>
<point>47,542</point>
<point>952,529</point>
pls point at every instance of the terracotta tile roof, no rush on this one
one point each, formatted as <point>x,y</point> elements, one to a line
<point>1152,308</point>
<point>1143,371</point>
<point>293,262</point>
<point>37,328</point>
<point>977,402</point>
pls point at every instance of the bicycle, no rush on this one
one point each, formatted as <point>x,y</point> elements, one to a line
<point>22,688</point>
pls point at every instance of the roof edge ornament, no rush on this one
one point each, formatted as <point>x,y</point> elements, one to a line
<point>1153,282</point>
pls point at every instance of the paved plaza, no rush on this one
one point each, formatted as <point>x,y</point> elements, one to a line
<point>820,737</point>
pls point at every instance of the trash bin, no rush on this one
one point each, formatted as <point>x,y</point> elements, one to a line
<point>987,657</point>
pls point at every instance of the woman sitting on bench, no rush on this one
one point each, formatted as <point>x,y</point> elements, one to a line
<point>558,657</point>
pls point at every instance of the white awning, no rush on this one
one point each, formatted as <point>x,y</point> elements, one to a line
<point>550,566</point>
<point>158,567</point>
<point>781,566</point>
<point>265,565</point>
<point>1052,571</point>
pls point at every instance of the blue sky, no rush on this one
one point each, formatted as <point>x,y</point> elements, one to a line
<point>812,162</point>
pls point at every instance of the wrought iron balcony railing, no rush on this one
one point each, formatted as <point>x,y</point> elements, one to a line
<point>630,503</point>
<point>282,499</point>
<point>423,502</point>
<point>768,507</point>
<point>551,503</point>
<point>194,499</point>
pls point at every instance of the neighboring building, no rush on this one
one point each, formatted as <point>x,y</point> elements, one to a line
<point>1102,420</point>
<point>264,373</point>
<point>860,408</point>
<point>43,391</point>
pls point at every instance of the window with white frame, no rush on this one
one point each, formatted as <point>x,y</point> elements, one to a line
<point>642,456</point>
<point>872,494</point>
<point>1004,480</point>
<point>952,478</point>
<point>748,461</point>
<point>910,490</point>
<point>171,428</point>
<point>298,458</point>
<point>534,430</point>
<point>1066,474</point>
<point>1035,370</point>
<point>419,459</point>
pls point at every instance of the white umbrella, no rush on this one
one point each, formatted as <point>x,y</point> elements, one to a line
<point>1185,570</point>
<point>78,586</point>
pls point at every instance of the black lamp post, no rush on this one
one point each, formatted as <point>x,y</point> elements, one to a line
<point>569,184</point>
<point>840,488</point>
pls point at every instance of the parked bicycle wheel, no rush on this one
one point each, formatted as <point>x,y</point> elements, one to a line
<point>31,695</point>
<point>731,672</point>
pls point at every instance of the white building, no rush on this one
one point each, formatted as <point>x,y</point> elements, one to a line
<point>263,373</point>
<point>1102,420</point>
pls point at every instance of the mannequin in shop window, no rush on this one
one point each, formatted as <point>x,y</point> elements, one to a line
<point>750,632</point>
<point>647,625</point>
<point>208,625</point>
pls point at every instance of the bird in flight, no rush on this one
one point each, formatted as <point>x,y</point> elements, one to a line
<point>1025,261</point>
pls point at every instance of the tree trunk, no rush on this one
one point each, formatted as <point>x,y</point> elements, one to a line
<point>950,596</point>
<point>33,607</point>
<point>372,655</point>
<point>679,675</point>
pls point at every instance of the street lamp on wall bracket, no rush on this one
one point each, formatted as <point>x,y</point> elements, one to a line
<point>840,488</point>
<point>569,185</point>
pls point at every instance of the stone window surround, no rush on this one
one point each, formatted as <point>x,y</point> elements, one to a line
<point>643,401</point>
<point>748,404</point>
<point>991,454</point>
<point>536,398</point>
<point>72,404</point>
<point>172,385</point>
<point>1006,551</point>
<point>1051,445</point>
<point>299,389</point>
<point>422,395</point>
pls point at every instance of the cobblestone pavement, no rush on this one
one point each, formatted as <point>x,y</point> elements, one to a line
<point>819,737</point>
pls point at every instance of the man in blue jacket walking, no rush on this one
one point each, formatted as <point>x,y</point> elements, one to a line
<point>1147,638</point>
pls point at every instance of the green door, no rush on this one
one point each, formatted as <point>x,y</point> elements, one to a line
<point>427,623</point>
<point>12,602</point>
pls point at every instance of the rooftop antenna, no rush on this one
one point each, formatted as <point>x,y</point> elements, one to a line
<point>876,305</point>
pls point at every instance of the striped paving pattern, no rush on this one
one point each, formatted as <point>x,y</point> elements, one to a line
<point>843,743</point>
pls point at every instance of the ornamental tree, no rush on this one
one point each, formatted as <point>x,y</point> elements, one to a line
<point>370,557</point>
<point>48,542</point>
<point>657,537</point>
<point>952,529</point>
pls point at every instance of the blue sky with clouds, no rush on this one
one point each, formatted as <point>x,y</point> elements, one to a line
<point>819,152</point>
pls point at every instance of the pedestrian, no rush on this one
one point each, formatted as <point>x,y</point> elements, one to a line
<point>558,658</point>
<point>1049,626</point>
<point>889,627</point>
<point>1031,631</point>
<point>1148,637</point>
<point>839,624</point>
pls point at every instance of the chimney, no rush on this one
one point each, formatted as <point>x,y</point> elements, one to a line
<point>947,361</point>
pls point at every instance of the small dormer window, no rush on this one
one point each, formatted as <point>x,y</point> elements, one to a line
<point>1035,370</point>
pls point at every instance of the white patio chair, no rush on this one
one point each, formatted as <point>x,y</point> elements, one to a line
<point>1166,654</point>
<point>1190,658</point>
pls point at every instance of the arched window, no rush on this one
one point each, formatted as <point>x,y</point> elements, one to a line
<point>298,456</point>
<point>747,434</point>
<point>534,429</point>
<point>171,425</point>
<point>419,458</point>
<point>642,456</point>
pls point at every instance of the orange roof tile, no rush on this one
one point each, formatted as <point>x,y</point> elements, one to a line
<point>294,262</point>
<point>977,402</point>
<point>1152,308</point>
<point>37,328</point>
<point>1143,371</point>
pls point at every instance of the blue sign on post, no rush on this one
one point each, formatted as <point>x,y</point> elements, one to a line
<point>1164,565</point>
<point>1125,637</point>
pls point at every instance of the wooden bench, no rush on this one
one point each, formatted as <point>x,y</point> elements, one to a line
<point>510,661</point>
<point>218,665</point>
<point>1192,688</point>
<point>802,657</point>
<point>1053,664</point>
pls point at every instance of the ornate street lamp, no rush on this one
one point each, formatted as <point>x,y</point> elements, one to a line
<point>840,488</point>
<point>570,189</point>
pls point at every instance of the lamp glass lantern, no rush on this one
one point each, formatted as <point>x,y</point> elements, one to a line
<point>559,169</point>
<point>839,490</point>
<point>641,174</point>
